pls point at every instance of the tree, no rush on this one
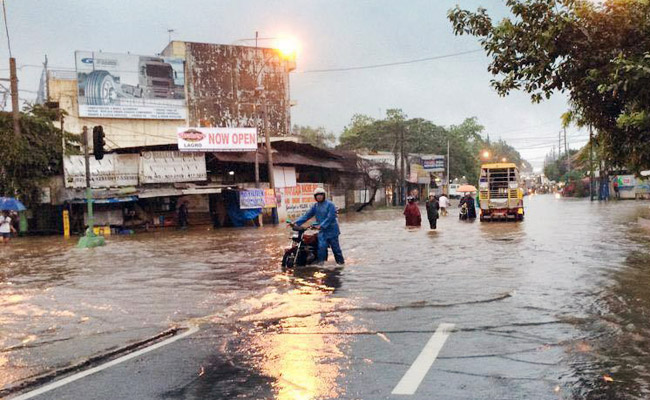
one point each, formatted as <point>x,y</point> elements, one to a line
<point>318,137</point>
<point>375,176</point>
<point>596,52</point>
<point>27,161</point>
<point>425,137</point>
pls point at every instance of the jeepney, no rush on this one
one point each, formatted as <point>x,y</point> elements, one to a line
<point>501,196</point>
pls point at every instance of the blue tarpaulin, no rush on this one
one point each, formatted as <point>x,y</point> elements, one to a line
<point>239,217</point>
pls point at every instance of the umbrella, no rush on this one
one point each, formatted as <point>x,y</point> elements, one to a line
<point>11,204</point>
<point>466,188</point>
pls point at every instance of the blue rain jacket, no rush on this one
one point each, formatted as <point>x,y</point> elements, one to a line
<point>325,214</point>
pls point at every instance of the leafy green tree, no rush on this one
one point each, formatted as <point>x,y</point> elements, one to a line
<point>318,137</point>
<point>598,52</point>
<point>27,161</point>
<point>425,137</point>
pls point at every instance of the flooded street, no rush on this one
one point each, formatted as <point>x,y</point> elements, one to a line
<point>551,308</point>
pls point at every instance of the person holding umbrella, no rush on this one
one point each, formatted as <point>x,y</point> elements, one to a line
<point>6,227</point>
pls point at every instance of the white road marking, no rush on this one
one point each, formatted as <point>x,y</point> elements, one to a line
<point>101,367</point>
<point>414,376</point>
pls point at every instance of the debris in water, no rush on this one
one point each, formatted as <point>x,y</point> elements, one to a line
<point>608,378</point>
<point>202,371</point>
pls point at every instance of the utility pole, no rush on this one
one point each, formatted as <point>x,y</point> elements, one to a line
<point>13,78</point>
<point>448,162</point>
<point>257,118</point>
<point>591,164</point>
<point>568,155</point>
<point>269,156</point>
<point>401,152</point>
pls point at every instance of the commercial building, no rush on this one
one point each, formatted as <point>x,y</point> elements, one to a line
<point>146,103</point>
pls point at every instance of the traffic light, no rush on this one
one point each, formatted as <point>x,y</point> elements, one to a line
<point>98,142</point>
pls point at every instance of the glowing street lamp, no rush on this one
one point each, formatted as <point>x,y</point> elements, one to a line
<point>287,46</point>
<point>504,159</point>
<point>486,154</point>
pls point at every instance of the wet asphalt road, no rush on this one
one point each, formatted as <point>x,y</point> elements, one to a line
<point>551,308</point>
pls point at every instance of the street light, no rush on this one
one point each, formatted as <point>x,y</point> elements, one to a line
<point>486,154</point>
<point>287,46</point>
<point>286,50</point>
<point>504,159</point>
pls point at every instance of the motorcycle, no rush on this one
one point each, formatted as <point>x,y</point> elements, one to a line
<point>304,247</point>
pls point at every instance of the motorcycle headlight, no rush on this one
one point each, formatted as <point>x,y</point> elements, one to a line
<point>295,235</point>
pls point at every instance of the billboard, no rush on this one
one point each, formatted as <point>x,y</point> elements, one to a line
<point>433,163</point>
<point>114,170</point>
<point>113,85</point>
<point>217,139</point>
<point>171,167</point>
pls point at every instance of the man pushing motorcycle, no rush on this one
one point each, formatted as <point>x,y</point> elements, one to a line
<point>325,213</point>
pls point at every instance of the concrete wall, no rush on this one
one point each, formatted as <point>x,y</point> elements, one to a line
<point>221,82</point>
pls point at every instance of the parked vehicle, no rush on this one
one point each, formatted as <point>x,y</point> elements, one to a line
<point>304,247</point>
<point>501,196</point>
<point>453,191</point>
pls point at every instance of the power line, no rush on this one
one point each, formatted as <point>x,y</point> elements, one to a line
<point>391,64</point>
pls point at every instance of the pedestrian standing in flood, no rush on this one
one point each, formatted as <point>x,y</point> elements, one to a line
<point>433,206</point>
<point>183,215</point>
<point>444,204</point>
<point>412,213</point>
<point>6,227</point>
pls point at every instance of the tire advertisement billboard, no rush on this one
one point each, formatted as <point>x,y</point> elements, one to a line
<point>113,85</point>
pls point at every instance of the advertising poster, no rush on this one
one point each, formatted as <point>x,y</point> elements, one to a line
<point>217,139</point>
<point>299,199</point>
<point>113,85</point>
<point>251,198</point>
<point>270,200</point>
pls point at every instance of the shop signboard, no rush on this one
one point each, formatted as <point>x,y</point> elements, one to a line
<point>433,163</point>
<point>217,139</point>
<point>299,199</point>
<point>171,167</point>
<point>251,198</point>
<point>114,85</point>
<point>114,170</point>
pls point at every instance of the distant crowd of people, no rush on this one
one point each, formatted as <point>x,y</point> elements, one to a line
<point>437,206</point>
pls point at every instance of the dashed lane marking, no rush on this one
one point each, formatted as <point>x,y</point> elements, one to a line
<point>418,370</point>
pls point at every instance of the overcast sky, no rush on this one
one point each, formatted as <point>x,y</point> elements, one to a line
<point>332,34</point>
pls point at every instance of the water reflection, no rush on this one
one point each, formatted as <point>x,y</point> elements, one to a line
<point>303,351</point>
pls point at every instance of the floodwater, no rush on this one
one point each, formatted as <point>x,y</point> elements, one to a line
<point>554,307</point>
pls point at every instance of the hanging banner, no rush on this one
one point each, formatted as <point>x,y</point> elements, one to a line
<point>217,139</point>
<point>171,167</point>
<point>270,200</point>
<point>113,85</point>
<point>251,198</point>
